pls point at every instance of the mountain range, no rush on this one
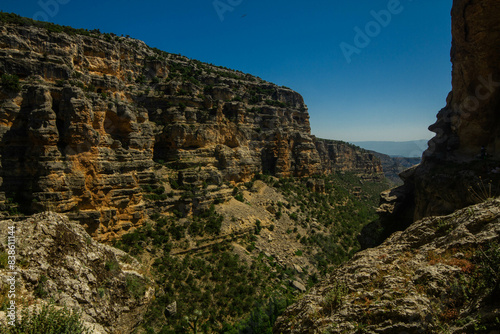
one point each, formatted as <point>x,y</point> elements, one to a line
<point>406,149</point>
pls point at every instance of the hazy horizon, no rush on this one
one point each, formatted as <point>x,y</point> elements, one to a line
<point>407,149</point>
<point>368,71</point>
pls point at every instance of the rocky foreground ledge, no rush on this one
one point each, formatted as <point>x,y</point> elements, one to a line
<point>441,275</point>
<point>56,260</point>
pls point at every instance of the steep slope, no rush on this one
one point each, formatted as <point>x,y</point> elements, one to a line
<point>272,239</point>
<point>95,119</point>
<point>441,275</point>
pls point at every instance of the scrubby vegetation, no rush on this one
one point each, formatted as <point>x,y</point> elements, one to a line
<point>218,286</point>
<point>344,206</point>
<point>51,27</point>
<point>215,283</point>
<point>46,320</point>
<point>214,288</point>
<point>10,83</point>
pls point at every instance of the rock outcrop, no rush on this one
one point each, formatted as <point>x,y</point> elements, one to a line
<point>470,119</point>
<point>468,128</point>
<point>95,116</point>
<point>440,275</point>
<point>462,164</point>
<point>57,260</point>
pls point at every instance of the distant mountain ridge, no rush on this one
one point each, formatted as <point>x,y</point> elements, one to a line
<point>407,149</point>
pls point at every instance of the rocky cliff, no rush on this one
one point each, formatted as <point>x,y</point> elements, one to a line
<point>470,119</point>
<point>462,164</point>
<point>95,119</point>
<point>467,129</point>
<point>57,260</point>
<point>342,156</point>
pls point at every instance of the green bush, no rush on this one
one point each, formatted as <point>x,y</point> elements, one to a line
<point>11,82</point>
<point>334,298</point>
<point>3,260</point>
<point>111,266</point>
<point>275,103</point>
<point>141,79</point>
<point>239,197</point>
<point>47,320</point>
<point>40,291</point>
<point>135,286</point>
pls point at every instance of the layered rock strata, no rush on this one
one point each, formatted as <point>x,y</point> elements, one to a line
<point>96,117</point>
<point>341,156</point>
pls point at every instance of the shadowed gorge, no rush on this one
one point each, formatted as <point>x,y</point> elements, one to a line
<point>436,267</point>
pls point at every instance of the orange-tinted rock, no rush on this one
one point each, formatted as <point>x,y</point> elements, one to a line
<point>97,115</point>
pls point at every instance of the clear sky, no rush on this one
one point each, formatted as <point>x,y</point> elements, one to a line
<point>367,69</point>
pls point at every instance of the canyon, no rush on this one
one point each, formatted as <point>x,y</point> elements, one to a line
<point>182,188</point>
<point>228,212</point>
<point>101,117</point>
<point>432,261</point>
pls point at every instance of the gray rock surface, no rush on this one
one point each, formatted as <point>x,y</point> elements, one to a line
<point>440,275</point>
<point>58,261</point>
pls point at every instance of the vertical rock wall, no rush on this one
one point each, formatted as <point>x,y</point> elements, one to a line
<point>96,118</point>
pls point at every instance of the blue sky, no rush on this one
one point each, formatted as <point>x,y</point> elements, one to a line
<point>392,88</point>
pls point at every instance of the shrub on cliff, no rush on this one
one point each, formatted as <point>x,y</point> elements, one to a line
<point>10,83</point>
<point>47,320</point>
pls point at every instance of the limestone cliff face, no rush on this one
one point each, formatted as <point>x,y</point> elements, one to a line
<point>463,159</point>
<point>341,156</point>
<point>97,115</point>
<point>470,119</point>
